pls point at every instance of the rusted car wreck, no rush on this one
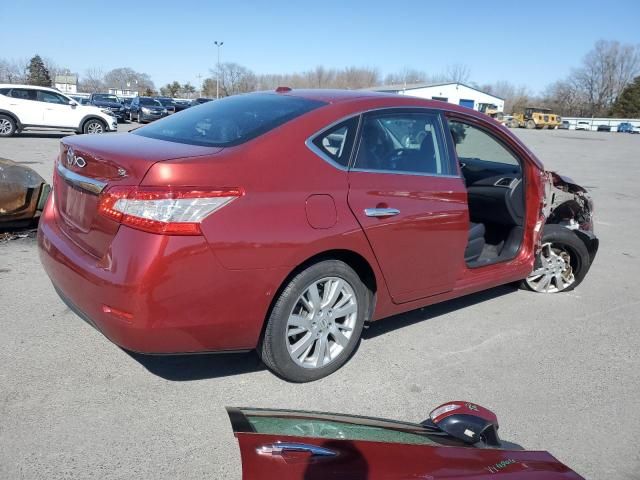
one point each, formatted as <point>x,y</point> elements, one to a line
<point>23,194</point>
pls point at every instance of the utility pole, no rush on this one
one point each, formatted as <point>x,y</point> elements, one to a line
<point>218,44</point>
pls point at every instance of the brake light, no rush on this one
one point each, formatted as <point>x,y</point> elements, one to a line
<point>171,211</point>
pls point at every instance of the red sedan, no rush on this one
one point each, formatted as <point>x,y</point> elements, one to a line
<point>285,220</point>
<point>458,440</point>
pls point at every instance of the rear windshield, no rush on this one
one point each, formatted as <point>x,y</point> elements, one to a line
<point>229,121</point>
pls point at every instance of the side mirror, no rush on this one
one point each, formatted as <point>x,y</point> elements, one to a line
<point>467,422</point>
<point>73,103</point>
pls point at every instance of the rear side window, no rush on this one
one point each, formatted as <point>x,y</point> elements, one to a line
<point>24,93</point>
<point>403,143</point>
<point>337,142</point>
<point>229,121</point>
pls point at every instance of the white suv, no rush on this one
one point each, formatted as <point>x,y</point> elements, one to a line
<point>26,107</point>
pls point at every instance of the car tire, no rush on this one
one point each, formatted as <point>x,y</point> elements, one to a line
<point>530,124</point>
<point>138,117</point>
<point>130,117</point>
<point>562,263</point>
<point>305,340</point>
<point>7,126</point>
<point>94,126</point>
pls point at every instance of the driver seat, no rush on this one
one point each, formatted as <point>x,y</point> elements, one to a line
<point>475,243</point>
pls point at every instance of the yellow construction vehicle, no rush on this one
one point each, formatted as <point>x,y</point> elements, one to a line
<point>534,117</point>
<point>491,110</point>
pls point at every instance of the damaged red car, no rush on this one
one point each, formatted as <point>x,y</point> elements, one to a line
<point>458,440</point>
<point>284,221</point>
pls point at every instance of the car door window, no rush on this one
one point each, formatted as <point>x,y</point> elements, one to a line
<point>337,427</point>
<point>405,142</point>
<point>473,143</point>
<point>337,142</point>
<point>23,93</point>
<point>50,97</point>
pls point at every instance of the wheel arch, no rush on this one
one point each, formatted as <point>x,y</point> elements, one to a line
<point>86,118</point>
<point>353,259</point>
<point>13,116</point>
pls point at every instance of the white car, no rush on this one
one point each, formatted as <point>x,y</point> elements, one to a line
<point>583,126</point>
<point>28,107</point>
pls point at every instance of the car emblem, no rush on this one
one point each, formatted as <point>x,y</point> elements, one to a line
<point>122,172</point>
<point>72,159</point>
<point>473,407</point>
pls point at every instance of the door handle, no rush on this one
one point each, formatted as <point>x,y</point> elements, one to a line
<point>381,212</point>
<point>282,448</point>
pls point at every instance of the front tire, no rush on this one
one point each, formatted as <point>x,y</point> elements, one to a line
<point>562,263</point>
<point>94,126</point>
<point>315,324</point>
<point>7,126</point>
<point>531,124</point>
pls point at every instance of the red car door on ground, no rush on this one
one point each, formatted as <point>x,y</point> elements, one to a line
<point>406,192</point>
<point>290,445</point>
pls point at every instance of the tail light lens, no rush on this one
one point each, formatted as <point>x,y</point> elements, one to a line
<point>171,211</point>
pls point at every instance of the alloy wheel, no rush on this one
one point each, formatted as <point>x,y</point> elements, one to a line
<point>321,323</point>
<point>554,273</point>
<point>95,127</point>
<point>5,126</point>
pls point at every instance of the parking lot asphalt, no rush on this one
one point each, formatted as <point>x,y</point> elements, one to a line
<point>561,371</point>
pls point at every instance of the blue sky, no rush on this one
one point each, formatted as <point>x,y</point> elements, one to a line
<point>531,44</point>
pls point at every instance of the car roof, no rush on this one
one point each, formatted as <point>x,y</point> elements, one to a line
<point>30,87</point>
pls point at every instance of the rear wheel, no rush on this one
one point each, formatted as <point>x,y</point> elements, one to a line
<point>315,324</point>
<point>7,126</point>
<point>94,126</point>
<point>531,124</point>
<point>562,263</point>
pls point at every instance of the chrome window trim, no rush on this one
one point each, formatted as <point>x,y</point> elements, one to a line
<point>90,185</point>
<point>311,146</point>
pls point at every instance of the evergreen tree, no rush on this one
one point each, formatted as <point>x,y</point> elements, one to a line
<point>628,103</point>
<point>37,73</point>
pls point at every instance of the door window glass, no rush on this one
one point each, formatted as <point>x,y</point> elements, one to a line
<point>50,97</point>
<point>402,143</point>
<point>473,143</point>
<point>337,142</point>
<point>23,93</point>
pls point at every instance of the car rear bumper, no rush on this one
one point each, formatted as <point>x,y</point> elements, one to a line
<point>158,294</point>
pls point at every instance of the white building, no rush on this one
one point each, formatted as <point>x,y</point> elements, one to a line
<point>456,93</point>
<point>66,83</point>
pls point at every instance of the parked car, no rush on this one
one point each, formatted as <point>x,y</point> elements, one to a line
<point>167,103</point>
<point>200,101</point>
<point>564,125</point>
<point>284,221</point>
<point>146,109</point>
<point>110,102</point>
<point>126,102</point>
<point>604,128</point>
<point>459,440</point>
<point>23,194</point>
<point>581,125</point>
<point>627,127</point>
<point>29,107</point>
<point>181,105</point>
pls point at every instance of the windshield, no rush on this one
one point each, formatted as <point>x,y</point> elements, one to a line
<point>106,98</point>
<point>167,102</point>
<point>229,121</point>
<point>150,102</point>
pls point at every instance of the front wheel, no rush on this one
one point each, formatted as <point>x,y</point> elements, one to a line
<point>315,324</point>
<point>562,263</point>
<point>7,126</point>
<point>94,126</point>
<point>531,124</point>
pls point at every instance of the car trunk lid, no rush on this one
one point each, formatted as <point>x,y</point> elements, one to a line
<point>90,164</point>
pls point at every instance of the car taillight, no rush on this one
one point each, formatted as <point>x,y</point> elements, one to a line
<point>171,211</point>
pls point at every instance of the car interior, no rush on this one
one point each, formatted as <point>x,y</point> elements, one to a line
<point>495,192</point>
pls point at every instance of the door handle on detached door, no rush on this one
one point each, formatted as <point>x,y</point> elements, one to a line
<point>381,212</point>
<point>282,448</point>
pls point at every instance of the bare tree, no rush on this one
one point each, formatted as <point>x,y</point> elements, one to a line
<point>458,73</point>
<point>234,79</point>
<point>92,81</point>
<point>13,71</point>
<point>406,76</point>
<point>125,78</point>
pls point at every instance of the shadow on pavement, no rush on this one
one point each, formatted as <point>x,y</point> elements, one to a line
<point>427,313</point>
<point>43,134</point>
<point>183,368</point>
